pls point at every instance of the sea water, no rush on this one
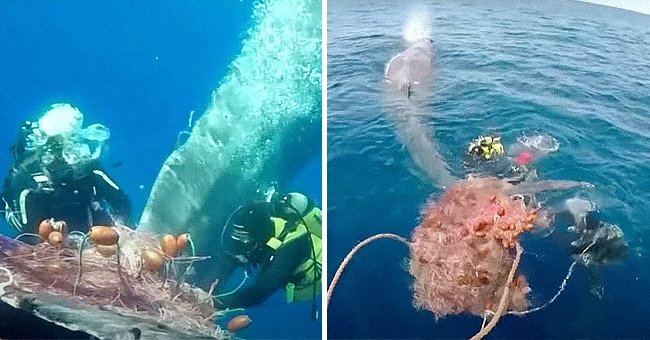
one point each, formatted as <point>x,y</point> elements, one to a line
<point>575,71</point>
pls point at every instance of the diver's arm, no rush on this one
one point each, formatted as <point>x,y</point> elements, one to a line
<point>108,190</point>
<point>275,276</point>
<point>560,233</point>
<point>5,194</point>
<point>12,184</point>
<point>14,201</point>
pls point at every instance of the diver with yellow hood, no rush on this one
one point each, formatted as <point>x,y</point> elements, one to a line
<point>486,147</point>
<point>282,237</point>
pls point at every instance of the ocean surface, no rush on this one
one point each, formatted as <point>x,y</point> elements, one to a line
<point>577,71</point>
<point>139,69</point>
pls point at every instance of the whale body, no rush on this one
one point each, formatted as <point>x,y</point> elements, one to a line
<point>266,110</point>
<point>409,79</point>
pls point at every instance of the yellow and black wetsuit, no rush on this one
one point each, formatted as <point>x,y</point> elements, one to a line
<point>486,147</point>
<point>291,260</point>
<point>306,278</point>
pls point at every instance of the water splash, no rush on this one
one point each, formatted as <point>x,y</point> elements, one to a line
<point>542,142</point>
<point>418,26</point>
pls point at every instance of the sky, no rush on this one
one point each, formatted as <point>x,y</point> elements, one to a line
<point>641,6</point>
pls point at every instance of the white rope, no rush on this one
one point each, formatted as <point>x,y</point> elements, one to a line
<point>562,286</point>
<point>236,289</point>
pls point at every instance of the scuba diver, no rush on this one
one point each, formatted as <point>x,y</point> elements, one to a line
<point>56,176</point>
<point>591,241</point>
<point>282,237</point>
<point>487,155</point>
<point>486,147</point>
<point>598,243</point>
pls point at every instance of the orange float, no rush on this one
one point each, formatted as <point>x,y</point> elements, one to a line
<point>238,323</point>
<point>168,245</point>
<point>151,260</point>
<point>181,241</point>
<point>104,236</point>
<point>55,238</point>
<point>45,228</point>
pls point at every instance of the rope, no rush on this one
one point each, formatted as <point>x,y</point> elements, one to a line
<point>503,304</point>
<point>562,286</point>
<point>352,252</point>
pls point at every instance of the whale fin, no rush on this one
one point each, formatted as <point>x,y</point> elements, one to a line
<point>535,187</point>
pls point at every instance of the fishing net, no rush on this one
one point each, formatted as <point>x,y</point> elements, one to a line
<point>465,253</point>
<point>462,251</point>
<point>50,275</point>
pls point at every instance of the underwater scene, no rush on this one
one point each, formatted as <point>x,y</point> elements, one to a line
<point>162,169</point>
<point>487,170</point>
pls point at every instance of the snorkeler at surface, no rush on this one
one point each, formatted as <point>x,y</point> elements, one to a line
<point>487,155</point>
<point>486,147</point>
<point>283,239</point>
<point>56,176</point>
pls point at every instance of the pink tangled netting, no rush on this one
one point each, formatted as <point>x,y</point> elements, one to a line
<point>127,289</point>
<point>462,251</point>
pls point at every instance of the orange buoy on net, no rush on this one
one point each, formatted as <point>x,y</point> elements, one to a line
<point>151,260</point>
<point>181,241</point>
<point>168,245</point>
<point>104,236</point>
<point>45,228</point>
<point>55,238</point>
<point>238,323</point>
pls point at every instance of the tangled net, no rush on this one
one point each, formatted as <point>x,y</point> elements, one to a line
<point>465,253</point>
<point>461,251</point>
<point>120,285</point>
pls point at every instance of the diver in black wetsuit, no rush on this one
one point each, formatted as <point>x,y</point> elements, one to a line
<point>81,194</point>
<point>283,240</point>
<point>594,243</point>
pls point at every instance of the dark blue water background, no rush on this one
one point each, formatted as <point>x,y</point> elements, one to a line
<point>139,68</point>
<point>577,71</point>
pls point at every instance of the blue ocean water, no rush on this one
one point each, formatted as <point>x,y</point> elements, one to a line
<point>139,69</point>
<point>577,71</point>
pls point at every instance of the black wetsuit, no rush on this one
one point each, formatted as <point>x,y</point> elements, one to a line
<point>592,241</point>
<point>80,202</point>
<point>276,270</point>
